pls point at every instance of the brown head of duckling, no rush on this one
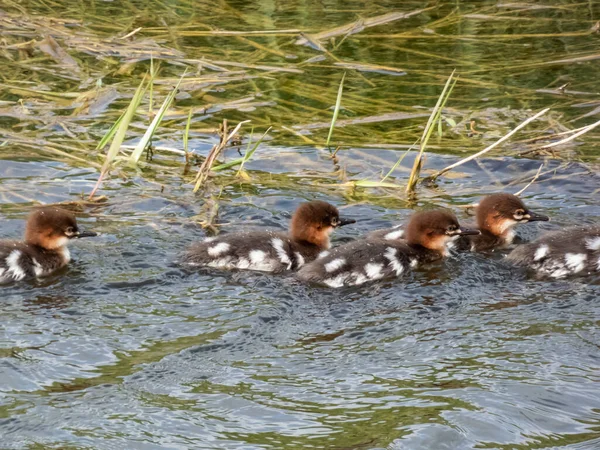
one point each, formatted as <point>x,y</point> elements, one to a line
<point>51,228</point>
<point>499,213</point>
<point>314,221</point>
<point>435,230</point>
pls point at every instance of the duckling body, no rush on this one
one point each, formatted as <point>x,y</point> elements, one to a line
<point>271,251</point>
<point>558,254</point>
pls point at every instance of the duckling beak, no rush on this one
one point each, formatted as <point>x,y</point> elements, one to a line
<point>343,221</point>
<point>533,217</point>
<point>467,232</point>
<point>81,234</point>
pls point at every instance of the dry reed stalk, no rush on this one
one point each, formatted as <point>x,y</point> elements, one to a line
<point>487,149</point>
<point>535,177</point>
<point>206,166</point>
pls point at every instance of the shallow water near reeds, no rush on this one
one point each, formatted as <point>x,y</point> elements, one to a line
<point>123,349</point>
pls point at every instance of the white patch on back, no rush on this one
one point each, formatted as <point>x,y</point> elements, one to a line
<point>12,262</point>
<point>334,265</point>
<point>335,282</point>
<point>392,235</point>
<point>209,239</point>
<point>413,262</point>
<point>373,271</point>
<point>390,254</point>
<point>242,263</point>
<point>541,252</point>
<point>257,256</point>
<point>575,261</point>
<point>260,261</point>
<point>281,253</point>
<point>593,243</point>
<point>218,249</point>
<point>37,268</point>
<point>220,263</point>
<point>597,266</point>
<point>323,254</point>
<point>300,259</point>
<point>359,278</point>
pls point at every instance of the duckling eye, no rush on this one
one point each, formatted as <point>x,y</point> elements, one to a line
<point>451,229</point>
<point>70,231</point>
<point>519,213</point>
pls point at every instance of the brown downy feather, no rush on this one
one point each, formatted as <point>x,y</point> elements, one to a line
<point>429,229</point>
<point>313,222</point>
<point>495,213</point>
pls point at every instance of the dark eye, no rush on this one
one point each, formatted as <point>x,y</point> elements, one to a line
<point>452,229</point>
<point>70,231</point>
<point>519,213</point>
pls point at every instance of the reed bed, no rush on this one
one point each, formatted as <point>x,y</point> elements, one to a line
<point>178,88</point>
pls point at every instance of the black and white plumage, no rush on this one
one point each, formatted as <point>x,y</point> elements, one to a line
<point>270,251</point>
<point>358,262</point>
<point>428,236</point>
<point>558,254</point>
<point>44,249</point>
<point>19,260</point>
<point>265,251</point>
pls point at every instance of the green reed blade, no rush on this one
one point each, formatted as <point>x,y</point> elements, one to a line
<point>336,111</point>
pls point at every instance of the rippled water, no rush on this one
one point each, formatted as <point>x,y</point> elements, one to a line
<point>124,350</point>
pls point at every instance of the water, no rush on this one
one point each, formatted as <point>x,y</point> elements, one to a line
<point>123,349</point>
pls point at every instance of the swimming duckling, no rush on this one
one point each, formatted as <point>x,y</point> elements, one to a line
<point>428,236</point>
<point>44,249</point>
<point>573,250</point>
<point>271,251</point>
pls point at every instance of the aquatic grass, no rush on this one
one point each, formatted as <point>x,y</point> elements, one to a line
<point>119,135</point>
<point>110,133</point>
<point>336,111</point>
<point>146,138</point>
<point>206,166</point>
<point>535,177</point>
<point>487,149</point>
<point>186,135</point>
<point>395,166</point>
<point>433,118</point>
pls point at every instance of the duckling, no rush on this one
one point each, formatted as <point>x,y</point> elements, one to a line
<point>558,254</point>
<point>271,251</point>
<point>44,249</point>
<point>429,234</point>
